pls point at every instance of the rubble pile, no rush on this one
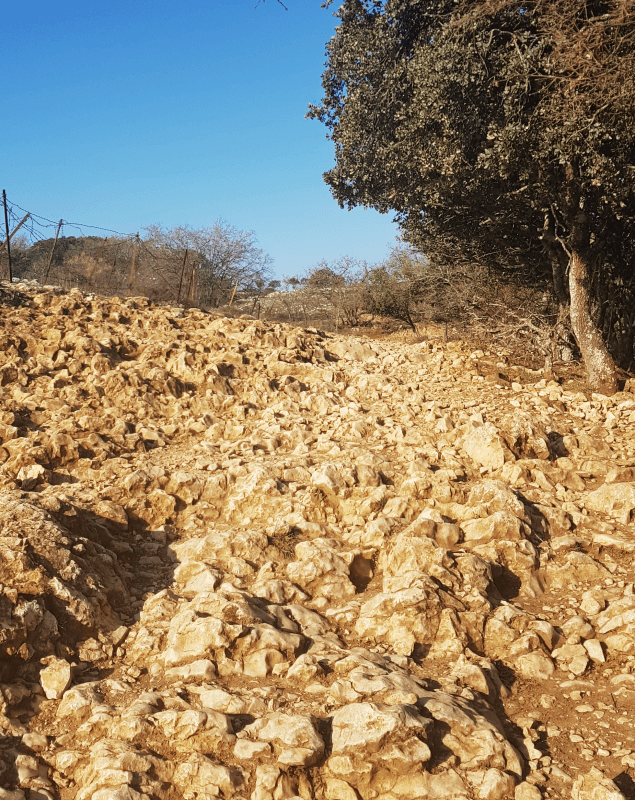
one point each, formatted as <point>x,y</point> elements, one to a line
<point>244,560</point>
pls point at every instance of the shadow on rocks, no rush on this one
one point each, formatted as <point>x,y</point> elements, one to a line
<point>71,583</point>
<point>626,785</point>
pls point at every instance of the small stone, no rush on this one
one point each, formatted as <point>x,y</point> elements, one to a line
<point>578,665</point>
<point>447,535</point>
<point>30,476</point>
<point>535,665</point>
<point>246,750</point>
<point>527,791</point>
<point>546,700</point>
<point>595,651</point>
<point>56,678</point>
<point>35,741</point>
<point>615,499</point>
<point>595,786</point>
<point>496,785</point>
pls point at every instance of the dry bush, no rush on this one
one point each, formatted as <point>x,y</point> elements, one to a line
<point>329,297</point>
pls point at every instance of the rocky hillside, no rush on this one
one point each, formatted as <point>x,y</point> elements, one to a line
<point>249,561</point>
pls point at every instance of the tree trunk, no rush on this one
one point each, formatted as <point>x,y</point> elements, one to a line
<point>597,359</point>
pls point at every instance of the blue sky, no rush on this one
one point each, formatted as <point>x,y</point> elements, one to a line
<point>124,114</point>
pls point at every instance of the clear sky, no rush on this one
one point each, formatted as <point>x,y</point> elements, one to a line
<point>129,112</point>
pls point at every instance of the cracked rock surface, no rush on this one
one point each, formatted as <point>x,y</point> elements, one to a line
<point>244,560</point>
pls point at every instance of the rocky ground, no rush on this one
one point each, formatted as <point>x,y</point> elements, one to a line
<point>245,560</point>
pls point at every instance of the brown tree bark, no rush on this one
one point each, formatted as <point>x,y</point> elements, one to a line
<point>598,361</point>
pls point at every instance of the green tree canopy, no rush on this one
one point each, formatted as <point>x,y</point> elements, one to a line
<point>504,130</point>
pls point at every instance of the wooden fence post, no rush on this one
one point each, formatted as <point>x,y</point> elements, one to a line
<point>48,268</point>
<point>134,261</point>
<point>191,291</point>
<point>178,297</point>
<point>6,227</point>
<point>15,230</point>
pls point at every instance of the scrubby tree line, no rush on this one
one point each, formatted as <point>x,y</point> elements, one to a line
<point>430,297</point>
<point>205,266</point>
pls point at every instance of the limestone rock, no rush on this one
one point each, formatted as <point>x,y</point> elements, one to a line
<point>615,499</point>
<point>244,559</point>
<point>402,618</point>
<point>527,791</point>
<point>56,678</point>
<point>294,739</point>
<point>485,447</point>
<point>595,786</point>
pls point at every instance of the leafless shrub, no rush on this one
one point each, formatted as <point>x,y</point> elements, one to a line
<point>328,296</point>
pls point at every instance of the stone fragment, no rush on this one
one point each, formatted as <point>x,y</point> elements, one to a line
<point>402,618</point>
<point>527,791</point>
<point>320,570</point>
<point>496,785</point>
<point>351,350</point>
<point>245,750</point>
<point>305,669</point>
<point>595,651</point>
<point>30,476</point>
<point>615,499</point>
<point>535,665</point>
<point>294,738</point>
<point>368,726</point>
<point>55,678</point>
<point>526,436</point>
<point>447,535</point>
<point>592,604</point>
<point>192,637</point>
<point>485,447</point>
<point>499,525</point>
<point>204,775</point>
<point>595,786</point>
<point>577,626</point>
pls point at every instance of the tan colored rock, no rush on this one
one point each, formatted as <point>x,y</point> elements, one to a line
<point>536,665</point>
<point>401,618</point>
<point>496,785</point>
<point>615,499</point>
<point>500,525</point>
<point>202,774</point>
<point>191,637</point>
<point>295,740</point>
<point>595,786</point>
<point>408,552</point>
<point>351,350</point>
<point>55,678</point>
<point>320,570</point>
<point>527,791</point>
<point>30,476</point>
<point>485,447</point>
<point>277,525</point>
<point>595,651</point>
<point>450,640</point>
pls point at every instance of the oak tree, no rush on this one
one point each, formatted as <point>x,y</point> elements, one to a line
<point>505,130</point>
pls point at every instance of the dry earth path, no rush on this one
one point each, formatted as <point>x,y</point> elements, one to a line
<point>250,561</point>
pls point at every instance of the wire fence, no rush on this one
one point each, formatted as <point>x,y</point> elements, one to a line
<point>104,261</point>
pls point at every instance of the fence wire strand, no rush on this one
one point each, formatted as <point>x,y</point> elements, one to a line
<point>101,260</point>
